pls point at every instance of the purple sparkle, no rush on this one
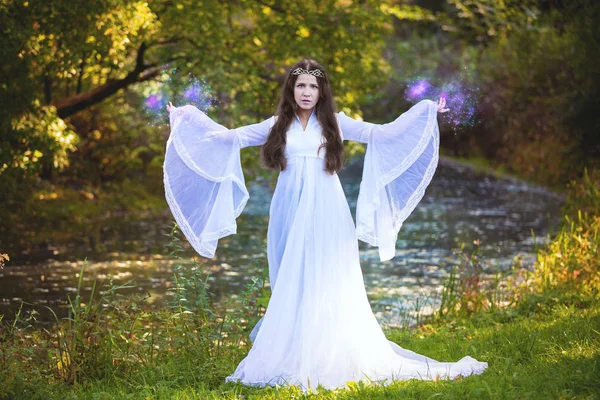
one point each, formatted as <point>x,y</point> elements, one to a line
<point>418,89</point>
<point>197,93</point>
<point>460,99</point>
<point>154,102</point>
<point>191,93</point>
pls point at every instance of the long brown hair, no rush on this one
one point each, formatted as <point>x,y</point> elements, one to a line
<point>273,151</point>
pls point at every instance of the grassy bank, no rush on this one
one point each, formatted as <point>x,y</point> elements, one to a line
<point>552,353</point>
<point>539,331</point>
<point>55,213</point>
<point>488,167</point>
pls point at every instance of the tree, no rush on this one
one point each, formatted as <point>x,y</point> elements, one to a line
<point>67,57</point>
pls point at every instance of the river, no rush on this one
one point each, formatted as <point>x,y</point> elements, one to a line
<point>507,217</point>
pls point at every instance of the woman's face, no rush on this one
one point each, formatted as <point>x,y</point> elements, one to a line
<point>306,91</point>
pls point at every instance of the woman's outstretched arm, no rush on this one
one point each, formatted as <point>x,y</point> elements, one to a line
<point>360,131</point>
<point>248,135</point>
<point>204,182</point>
<point>255,134</point>
<point>400,161</point>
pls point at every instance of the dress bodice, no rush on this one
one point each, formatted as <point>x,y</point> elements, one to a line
<point>305,142</point>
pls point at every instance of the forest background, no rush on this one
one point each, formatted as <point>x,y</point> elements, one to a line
<point>83,85</point>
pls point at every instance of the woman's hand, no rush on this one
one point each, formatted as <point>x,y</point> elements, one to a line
<point>170,107</point>
<point>441,104</point>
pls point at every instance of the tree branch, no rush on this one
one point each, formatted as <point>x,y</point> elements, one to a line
<point>140,73</point>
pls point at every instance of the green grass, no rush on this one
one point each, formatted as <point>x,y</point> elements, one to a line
<point>553,353</point>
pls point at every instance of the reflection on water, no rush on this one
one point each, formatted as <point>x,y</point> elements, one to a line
<point>460,206</point>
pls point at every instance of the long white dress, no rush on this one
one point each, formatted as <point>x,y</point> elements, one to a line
<point>318,328</point>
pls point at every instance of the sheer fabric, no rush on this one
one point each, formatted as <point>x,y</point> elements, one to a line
<point>204,183</point>
<point>399,164</point>
<point>318,328</point>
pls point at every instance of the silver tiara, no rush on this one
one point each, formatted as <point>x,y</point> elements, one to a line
<point>314,72</point>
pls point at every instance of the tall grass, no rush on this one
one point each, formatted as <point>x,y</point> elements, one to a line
<point>110,335</point>
<point>568,266</point>
<point>572,260</point>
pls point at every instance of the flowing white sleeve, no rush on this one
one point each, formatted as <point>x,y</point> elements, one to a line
<point>400,161</point>
<point>204,183</point>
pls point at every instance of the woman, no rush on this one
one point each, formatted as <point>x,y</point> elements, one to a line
<point>318,328</point>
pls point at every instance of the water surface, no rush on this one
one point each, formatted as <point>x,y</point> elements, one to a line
<point>505,216</point>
